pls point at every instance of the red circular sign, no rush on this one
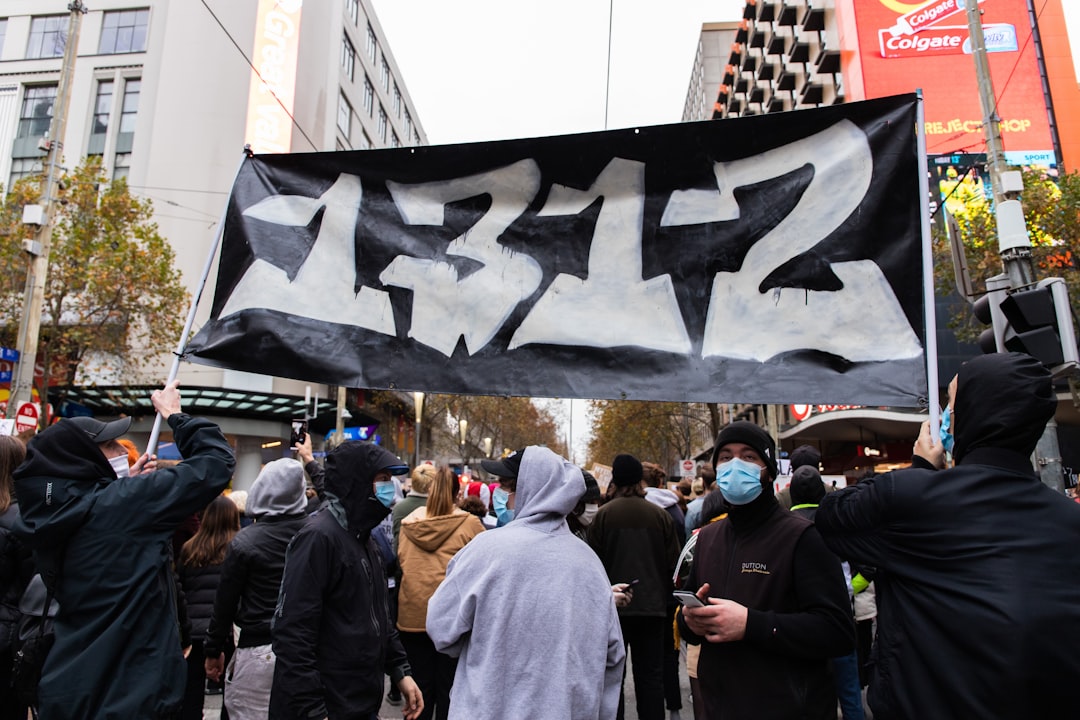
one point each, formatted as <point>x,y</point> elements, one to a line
<point>26,418</point>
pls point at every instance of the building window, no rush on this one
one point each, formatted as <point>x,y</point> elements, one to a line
<point>416,138</point>
<point>121,166</point>
<point>3,32</point>
<point>369,96</point>
<point>37,110</point>
<point>384,74</point>
<point>348,57</point>
<point>352,9</point>
<point>24,167</point>
<point>124,31</point>
<point>365,141</point>
<point>397,101</point>
<point>408,124</point>
<point>130,106</point>
<point>394,141</point>
<point>344,115</point>
<point>102,107</point>
<point>382,125</point>
<point>48,34</point>
<point>372,44</point>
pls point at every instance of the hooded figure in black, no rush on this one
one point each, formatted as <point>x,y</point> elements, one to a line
<point>977,591</point>
<point>332,633</point>
<point>108,539</point>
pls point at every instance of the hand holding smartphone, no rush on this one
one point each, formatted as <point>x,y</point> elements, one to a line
<point>687,598</point>
<point>299,432</point>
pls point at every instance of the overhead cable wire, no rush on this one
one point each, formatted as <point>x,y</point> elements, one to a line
<point>259,74</point>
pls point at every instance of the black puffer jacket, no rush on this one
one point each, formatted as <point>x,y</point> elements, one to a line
<point>16,569</point>
<point>200,585</point>
<point>333,636</point>
<point>977,593</point>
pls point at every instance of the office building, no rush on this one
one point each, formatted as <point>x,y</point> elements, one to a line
<point>164,93</point>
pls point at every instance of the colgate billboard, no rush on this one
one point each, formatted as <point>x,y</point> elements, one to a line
<point>904,46</point>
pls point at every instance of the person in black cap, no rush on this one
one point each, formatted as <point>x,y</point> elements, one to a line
<point>775,603</point>
<point>636,541</point>
<point>333,635</point>
<point>102,540</point>
<point>502,499</point>
<point>978,599</point>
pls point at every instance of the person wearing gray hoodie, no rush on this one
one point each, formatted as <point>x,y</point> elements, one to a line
<point>248,591</point>
<point>531,589</point>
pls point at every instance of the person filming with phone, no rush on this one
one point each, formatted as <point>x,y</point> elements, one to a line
<point>774,604</point>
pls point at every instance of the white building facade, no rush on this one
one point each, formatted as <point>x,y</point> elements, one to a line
<point>162,92</point>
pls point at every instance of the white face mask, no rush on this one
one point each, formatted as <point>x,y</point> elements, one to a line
<point>587,515</point>
<point>120,466</point>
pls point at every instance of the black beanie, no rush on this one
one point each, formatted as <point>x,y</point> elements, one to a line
<point>804,455</point>
<point>626,470</point>
<point>750,434</point>
<point>807,487</point>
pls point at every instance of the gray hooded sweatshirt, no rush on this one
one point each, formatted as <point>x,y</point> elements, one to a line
<point>531,590</point>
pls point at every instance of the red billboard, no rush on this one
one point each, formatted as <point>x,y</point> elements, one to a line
<point>907,45</point>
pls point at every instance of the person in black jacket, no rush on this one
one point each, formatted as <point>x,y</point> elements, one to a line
<point>637,540</point>
<point>16,569</point>
<point>332,631</point>
<point>775,603</point>
<point>103,532</point>
<point>248,590</point>
<point>977,592</point>
<point>199,572</point>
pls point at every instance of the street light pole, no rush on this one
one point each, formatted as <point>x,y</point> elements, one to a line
<point>418,406</point>
<point>22,379</point>
<point>463,428</point>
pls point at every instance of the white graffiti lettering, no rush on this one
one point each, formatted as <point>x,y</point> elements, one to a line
<point>446,307</point>
<point>324,288</point>
<point>611,306</point>
<point>745,323</point>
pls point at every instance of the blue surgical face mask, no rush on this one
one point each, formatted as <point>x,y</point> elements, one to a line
<point>945,431</point>
<point>499,498</point>
<point>385,492</point>
<point>739,481</point>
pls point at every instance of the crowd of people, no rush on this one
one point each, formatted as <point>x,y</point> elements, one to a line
<point>949,588</point>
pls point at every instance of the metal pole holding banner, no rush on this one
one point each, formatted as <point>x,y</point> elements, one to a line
<point>181,345</point>
<point>929,308</point>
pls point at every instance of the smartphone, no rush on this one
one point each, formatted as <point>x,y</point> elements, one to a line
<point>299,432</point>
<point>687,598</point>
<point>630,585</point>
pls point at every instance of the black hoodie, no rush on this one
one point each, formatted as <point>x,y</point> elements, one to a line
<point>978,600</point>
<point>332,632</point>
<point>117,651</point>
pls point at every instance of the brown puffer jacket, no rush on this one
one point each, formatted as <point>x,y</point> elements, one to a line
<point>425,548</point>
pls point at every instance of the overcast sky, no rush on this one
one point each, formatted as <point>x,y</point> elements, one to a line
<point>497,69</point>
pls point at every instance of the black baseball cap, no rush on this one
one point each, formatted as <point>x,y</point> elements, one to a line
<point>507,467</point>
<point>101,432</point>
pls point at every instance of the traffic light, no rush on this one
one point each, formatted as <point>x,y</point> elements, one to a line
<point>1039,323</point>
<point>987,310</point>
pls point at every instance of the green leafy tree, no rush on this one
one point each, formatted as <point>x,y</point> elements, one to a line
<point>1052,213</point>
<point>660,432</point>
<point>112,294</point>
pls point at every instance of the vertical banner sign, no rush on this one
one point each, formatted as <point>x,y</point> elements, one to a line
<point>767,259</point>
<point>277,34</point>
<point>907,43</point>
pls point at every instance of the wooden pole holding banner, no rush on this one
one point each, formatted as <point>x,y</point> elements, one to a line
<point>181,345</point>
<point>929,308</point>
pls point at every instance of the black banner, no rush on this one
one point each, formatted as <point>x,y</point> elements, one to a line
<point>767,259</point>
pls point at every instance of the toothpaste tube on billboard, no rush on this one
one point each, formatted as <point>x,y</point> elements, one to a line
<point>928,15</point>
<point>947,40</point>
